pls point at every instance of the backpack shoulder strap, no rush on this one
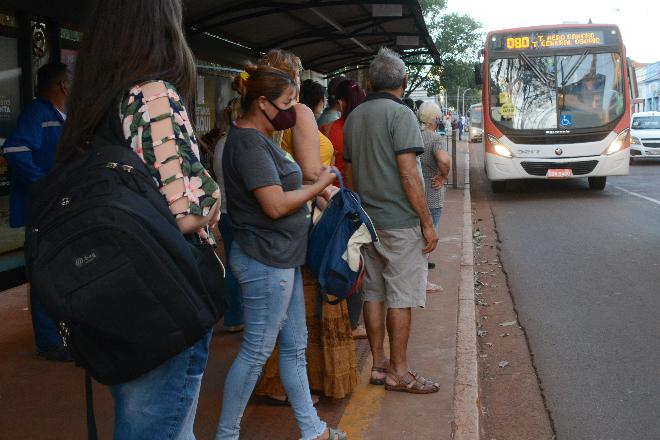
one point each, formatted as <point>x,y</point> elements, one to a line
<point>89,398</point>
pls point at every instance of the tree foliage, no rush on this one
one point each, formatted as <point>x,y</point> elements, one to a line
<point>458,38</point>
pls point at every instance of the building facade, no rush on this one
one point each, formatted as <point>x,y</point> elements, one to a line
<point>648,83</point>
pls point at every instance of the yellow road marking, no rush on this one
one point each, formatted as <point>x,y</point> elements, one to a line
<point>366,402</point>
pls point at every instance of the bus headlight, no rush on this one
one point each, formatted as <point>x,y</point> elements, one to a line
<point>635,140</point>
<point>617,144</point>
<point>499,148</point>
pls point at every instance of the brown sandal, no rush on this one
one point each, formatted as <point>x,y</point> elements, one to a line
<point>416,385</point>
<point>376,381</point>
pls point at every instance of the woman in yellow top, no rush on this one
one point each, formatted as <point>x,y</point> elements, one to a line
<point>325,146</point>
<point>331,356</point>
<point>312,96</point>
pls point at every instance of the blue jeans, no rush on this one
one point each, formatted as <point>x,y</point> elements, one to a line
<point>234,314</point>
<point>162,403</point>
<point>435,216</point>
<point>46,334</point>
<point>273,306</point>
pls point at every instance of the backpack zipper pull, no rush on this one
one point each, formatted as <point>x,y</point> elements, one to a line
<point>64,333</point>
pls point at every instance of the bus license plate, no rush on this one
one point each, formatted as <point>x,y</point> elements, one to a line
<point>559,173</point>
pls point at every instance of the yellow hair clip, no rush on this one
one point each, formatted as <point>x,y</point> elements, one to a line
<point>245,76</point>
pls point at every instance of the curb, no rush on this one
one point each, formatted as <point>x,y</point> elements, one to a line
<point>465,425</point>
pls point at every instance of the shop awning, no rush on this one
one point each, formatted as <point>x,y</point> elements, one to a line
<point>326,34</point>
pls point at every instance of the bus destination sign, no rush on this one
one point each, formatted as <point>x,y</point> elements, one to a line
<point>564,39</point>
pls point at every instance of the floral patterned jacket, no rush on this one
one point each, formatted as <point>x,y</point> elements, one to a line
<point>156,123</point>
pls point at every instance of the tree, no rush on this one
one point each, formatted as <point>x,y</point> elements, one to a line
<point>458,39</point>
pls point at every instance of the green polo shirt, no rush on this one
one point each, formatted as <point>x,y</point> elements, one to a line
<point>375,133</point>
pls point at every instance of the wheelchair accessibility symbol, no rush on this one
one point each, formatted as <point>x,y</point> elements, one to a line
<point>566,120</point>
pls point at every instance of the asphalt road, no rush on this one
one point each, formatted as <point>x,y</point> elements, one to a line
<point>584,272</point>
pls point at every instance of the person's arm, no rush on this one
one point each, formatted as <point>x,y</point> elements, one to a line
<point>18,148</point>
<point>277,203</point>
<point>161,134</point>
<point>444,165</point>
<point>306,147</point>
<point>413,187</point>
<point>348,176</point>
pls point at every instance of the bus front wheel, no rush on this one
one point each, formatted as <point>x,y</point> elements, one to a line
<point>597,183</point>
<point>498,186</point>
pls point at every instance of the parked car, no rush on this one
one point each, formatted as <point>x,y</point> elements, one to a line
<point>645,135</point>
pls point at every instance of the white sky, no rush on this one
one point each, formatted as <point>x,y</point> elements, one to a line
<point>639,20</point>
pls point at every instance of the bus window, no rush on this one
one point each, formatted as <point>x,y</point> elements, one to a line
<point>524,100</point>
<point>593,95</point>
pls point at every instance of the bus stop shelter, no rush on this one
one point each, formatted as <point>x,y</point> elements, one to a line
<point>330,37</point>
<point>45,400</point>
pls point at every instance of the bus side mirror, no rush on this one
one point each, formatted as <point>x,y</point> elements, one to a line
<point>478,74</point>
<point>632,80</point>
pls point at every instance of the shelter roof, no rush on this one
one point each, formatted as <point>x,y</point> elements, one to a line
<point>326,34</point>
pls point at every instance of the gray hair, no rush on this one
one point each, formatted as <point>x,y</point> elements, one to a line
<point>387,71</point>
<point>429,113</point>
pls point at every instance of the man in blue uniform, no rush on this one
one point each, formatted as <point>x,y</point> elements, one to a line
<point>30,153</point>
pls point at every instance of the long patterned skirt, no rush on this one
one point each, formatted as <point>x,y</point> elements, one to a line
<point>331,356</point>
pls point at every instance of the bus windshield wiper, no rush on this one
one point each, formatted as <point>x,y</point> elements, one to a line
<point>571,72</point>
<point>534,68</point>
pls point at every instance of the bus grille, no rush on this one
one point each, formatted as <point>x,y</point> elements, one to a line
<point>541,168</point>
<point>652,144</point>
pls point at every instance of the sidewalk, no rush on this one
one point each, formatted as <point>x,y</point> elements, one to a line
<point>45,400</point>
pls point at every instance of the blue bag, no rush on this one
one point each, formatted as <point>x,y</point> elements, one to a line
<point>343,225</point>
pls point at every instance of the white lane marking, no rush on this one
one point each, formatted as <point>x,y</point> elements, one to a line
<point>657,202</point>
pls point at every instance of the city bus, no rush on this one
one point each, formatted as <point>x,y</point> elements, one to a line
<point>476,122</point>
<point>557,104</point>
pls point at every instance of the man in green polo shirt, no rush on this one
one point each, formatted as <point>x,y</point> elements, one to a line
<point>382,140</point>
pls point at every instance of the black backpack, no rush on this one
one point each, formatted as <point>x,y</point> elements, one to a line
<point>106,258</point>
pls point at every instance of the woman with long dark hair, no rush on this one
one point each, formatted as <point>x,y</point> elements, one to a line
<point>268,212</point>
<point>134,76</point>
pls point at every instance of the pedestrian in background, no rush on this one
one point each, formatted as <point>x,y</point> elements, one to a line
<point>332,112</point>
<point>313,96</point>
<point>268,211</point>
<point>134,77</point>
<point>349,95</point>
<point>30,153</point>
<point>233,319</point>
<point>381,143</point>
<point>408,101</point>
<point>435,168</point>
<point>447,125</point>
<point>459,127</point>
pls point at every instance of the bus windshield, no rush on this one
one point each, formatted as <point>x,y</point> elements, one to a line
<point>556,91</point>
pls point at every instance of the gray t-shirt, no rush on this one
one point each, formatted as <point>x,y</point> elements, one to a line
<point>251,161</point>
<point>375,133</point>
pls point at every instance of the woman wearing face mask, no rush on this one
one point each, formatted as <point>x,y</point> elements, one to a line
<point>267,209</point>
<point>331,359</point>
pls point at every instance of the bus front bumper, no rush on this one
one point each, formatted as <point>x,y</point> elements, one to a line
<point>504,168</point>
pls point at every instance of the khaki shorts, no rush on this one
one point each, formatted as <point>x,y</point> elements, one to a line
<point>396,269</point>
